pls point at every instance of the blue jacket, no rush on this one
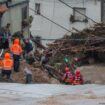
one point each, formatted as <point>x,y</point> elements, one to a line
<point>28,47</point>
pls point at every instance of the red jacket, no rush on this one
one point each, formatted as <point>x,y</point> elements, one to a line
<point>78,79</point>
<point>68,77</point>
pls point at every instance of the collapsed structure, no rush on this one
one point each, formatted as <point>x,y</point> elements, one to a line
<point>90,42</point>
<point>86,44</point>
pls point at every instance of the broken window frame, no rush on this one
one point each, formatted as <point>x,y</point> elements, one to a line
<point>79,18</point>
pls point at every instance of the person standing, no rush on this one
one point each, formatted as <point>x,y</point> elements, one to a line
<point>6,36</point>
<point>16,50</point>
<point>1,38</point>
<point>7,65</point>
<point>28,46</point>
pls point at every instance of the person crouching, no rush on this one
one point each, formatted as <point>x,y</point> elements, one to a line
<point>7,65</point>
<point>68,76</point>
<point>78,78</point>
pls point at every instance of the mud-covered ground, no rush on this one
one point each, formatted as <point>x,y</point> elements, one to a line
<point>94,73</point>
<point>39,75</point>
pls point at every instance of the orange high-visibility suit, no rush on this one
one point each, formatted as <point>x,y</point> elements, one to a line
<point>16,49</point>
<point>7,65</point>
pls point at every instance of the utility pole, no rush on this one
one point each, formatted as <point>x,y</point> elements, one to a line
<point>103,11</point>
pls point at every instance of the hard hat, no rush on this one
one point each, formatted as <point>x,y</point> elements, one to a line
<point>16,41</point>
<point>7,55</point>
<point>66,59</point>
<point>66,69</point>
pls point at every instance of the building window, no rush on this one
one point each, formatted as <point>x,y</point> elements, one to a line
<point>24,13</point>
<point>37,8</point>
<point>77,17</point>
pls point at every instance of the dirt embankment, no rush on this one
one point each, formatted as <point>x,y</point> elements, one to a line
<point>94,73</point>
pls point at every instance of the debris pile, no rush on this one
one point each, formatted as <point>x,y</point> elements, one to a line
<point>90,42</point>
<point>38,75</point>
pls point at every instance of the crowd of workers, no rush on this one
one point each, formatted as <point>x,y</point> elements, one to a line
<point>11,59</point>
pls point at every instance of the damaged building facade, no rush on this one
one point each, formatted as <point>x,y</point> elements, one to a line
<point>14,12</point>
<point>63,15</point>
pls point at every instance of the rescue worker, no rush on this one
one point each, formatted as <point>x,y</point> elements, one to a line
<point>44,60</point>
<point>7,65</point>
<point>16,50</point>
<point>28,46</point>
<point>78,79</point>
<point>68,77</point>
